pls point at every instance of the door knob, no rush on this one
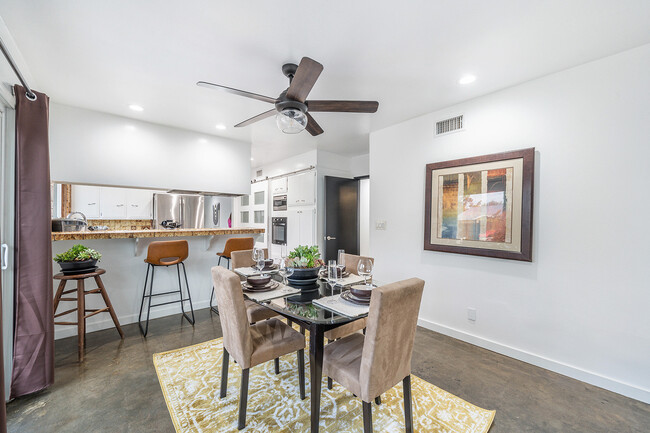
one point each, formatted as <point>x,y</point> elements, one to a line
<point>329,238</point>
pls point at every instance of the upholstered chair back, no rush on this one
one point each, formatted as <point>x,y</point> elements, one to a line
<point>244,258</point>
<point>351,262</point>
<point>232,314</point>
<point>390,333</point>
<point>237,244</point>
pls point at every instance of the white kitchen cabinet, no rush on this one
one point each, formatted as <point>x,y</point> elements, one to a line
<point>279,186</point>
<point>139,204</point>
<point>112,203</point>
<point>85,199</point>
<point>301,189</point>
<point>300,228</point>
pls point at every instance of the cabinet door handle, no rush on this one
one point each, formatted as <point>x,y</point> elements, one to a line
<point>91,204</point>
<point>134,205</point>
<point>119,205</point>
<point>5,256</point>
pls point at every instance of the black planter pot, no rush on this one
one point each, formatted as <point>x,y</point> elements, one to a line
<point>78,267</point>
<point>305,273</point>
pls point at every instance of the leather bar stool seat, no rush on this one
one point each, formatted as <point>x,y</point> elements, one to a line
<point>166,253</point>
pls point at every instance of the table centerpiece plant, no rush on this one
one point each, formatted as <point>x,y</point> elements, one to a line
<point>79,257</point>
<point>305,262</point>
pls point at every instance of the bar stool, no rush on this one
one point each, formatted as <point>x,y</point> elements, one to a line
<point>232,245</point>
<point>81,304</point>
<point>166,253</point>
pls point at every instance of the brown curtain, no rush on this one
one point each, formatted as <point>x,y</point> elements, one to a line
<point>33,367</point>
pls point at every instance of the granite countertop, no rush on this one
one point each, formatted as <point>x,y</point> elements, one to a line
<point>162,233</point>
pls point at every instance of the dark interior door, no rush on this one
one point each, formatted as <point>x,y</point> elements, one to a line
<point>341,216</point>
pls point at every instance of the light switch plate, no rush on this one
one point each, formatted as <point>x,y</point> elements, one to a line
<point>471,314</point>
<point>380,225</point>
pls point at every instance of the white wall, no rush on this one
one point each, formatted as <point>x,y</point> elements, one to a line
<point>98,148</point>
<point>580,308</point>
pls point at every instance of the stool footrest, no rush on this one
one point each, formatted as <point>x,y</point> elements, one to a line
<point>163,293</point>
<point>170,302</point>
<point>69,291</point>
<point>95,311</point>
<point>64,313</point>
<point>68,299</point>
<point>97,290</point>
<point>66,323</point>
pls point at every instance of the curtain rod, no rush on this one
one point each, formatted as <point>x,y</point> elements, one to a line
<point>30,95</point>
<point>311,167</point>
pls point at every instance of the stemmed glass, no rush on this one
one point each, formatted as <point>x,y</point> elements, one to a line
<point>285,270</point>
<point>258,257</point>
<point>332,272</point>
<point>341,261</point>
<point>364,268</point>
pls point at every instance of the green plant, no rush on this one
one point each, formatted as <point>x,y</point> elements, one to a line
<point>78,253</point>
<point>306,257</point>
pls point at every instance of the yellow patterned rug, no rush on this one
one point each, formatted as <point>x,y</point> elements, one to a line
<point>190,378</point>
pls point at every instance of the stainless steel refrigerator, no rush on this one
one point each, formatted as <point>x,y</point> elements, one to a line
<point>185,211</point>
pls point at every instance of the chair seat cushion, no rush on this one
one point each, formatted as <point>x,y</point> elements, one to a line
<point>345,330</point>
<point>257,312</point>
<point>342,361</point>
<point>272,339</point>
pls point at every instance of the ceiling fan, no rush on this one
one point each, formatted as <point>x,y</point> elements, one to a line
<point>291,107</point>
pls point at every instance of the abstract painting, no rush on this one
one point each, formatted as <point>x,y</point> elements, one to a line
<point>481,205</point>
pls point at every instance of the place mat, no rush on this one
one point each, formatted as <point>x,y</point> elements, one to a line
<point>338,305</point>
<point>190,378</point>
<point>281,292</point>
<point>247,271</point>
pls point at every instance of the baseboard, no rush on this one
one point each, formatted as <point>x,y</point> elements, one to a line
<point>592,378</point>
<point>106,322</point>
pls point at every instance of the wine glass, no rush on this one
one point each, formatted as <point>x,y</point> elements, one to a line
<point>258,257</point>
<point>364,268</point>
<point>341,261</point>
<point>285,270</point>
<point>332,272</point>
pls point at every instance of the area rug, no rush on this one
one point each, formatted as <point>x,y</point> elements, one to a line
<point>190,378</point>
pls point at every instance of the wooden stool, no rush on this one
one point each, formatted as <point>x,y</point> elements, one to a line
<point>81,304</point>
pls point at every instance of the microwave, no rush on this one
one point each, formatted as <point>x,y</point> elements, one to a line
<point>280,202</point>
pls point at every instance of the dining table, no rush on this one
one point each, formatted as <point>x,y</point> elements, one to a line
<point>300,308</point>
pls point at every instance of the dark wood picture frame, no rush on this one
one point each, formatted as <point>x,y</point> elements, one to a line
<point>528,174</point>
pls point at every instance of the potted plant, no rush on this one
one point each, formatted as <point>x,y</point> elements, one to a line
<point>305,262</point>
<point>77,259</point>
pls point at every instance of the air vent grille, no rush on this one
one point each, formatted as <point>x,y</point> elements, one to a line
<point>259,173</point>
<point>449,125</point>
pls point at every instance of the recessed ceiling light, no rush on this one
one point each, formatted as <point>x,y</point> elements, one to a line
<point>467,79</point>
<point>221,127</point>
<point>136,107</point>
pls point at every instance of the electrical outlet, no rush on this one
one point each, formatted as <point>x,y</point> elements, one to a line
<point>380,225</point>
<point>471,314</point>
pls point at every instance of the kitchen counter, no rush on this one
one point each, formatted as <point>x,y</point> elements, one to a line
<point>137,234</point>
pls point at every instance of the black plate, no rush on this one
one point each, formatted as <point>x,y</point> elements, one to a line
<point>80,271</point>
<point>349,297</point>
<point>309,282</point>
<point>272,285</point>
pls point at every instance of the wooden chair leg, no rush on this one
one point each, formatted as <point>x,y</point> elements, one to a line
<point>81,318</point>
<point>224,374</point>
<point>277,365</point>
<point>107,301</point>
<point>301,372</point>
<point>367,417</point>
<point>57,297</point>
<point>378,400</point>
<point>243,398</point>
<point>408,408</point>
<point>330,383</point>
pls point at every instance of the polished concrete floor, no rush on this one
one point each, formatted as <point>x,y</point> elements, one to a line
<point>116,388</point>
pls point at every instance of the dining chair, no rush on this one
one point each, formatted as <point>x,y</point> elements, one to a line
<point>372,364</point>
<point>250,345</point>
<point>254,311</point>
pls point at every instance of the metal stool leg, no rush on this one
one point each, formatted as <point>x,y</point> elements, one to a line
<point>213,307</point>
<point>144,295</point>
<point>189,296</point>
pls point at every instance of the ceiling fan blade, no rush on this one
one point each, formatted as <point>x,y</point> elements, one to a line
<point>343,106</point>
<point>313,127</point>
<point>305,78</point>
<point>256,118</point>
<point>236,92</point>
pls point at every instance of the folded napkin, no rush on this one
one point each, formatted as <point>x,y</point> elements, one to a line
<point>350,279</point>
<point>281,292</point>
<point>246,272</point>
<point>340,306</point>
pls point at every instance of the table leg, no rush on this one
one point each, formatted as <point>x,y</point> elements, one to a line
<point>316,345</point>
<point>81,318</point>
<point>107,301</point>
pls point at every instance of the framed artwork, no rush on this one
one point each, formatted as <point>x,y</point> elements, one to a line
<point>481,206</point>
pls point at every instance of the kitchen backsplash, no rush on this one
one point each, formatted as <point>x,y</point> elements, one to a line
<point>122,224</point>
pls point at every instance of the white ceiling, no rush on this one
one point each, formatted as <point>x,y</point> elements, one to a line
<point>406,55</point>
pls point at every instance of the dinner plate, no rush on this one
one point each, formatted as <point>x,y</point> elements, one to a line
<point>272,285</point>
<point>323,275</point>
<point>309,282</point>
<point>349,297</point>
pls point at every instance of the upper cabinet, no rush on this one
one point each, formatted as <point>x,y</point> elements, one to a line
<point>139,204</point>
<point>279,186</point>
<point>112,204</point>
<point>85,199</point>
<point>302,189</point>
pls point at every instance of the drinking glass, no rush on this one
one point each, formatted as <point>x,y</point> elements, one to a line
<point>364,268</point>
<point>341,261</point>
<point>258,257</point>
<point>285,270</point>
<point>332,272</point>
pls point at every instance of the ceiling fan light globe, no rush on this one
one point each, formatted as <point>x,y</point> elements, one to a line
<point>291,121</point>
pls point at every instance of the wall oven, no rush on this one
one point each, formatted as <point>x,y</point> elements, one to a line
<point>280,202</point>
<point>279,230</point>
